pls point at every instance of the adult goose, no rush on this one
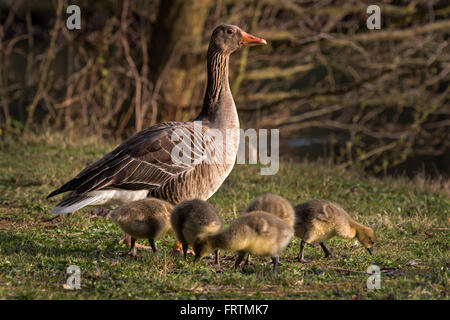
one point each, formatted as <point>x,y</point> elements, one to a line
<point>144,166</point>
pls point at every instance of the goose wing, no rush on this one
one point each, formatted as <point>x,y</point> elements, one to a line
<point>144,161</point>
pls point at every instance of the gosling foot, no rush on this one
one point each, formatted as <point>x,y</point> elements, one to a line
<point>132,253</point>
<point>127,240</point>
<point>178,248</point>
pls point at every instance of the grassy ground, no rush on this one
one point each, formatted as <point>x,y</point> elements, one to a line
<point>411,219</point>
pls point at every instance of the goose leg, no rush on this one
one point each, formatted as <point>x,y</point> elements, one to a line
<point>132,246</point>
<point>217,260</point>
<point>301,257</point>
<point>152,244</point>
<point>239,260</point>
<point>275,264</point>
<point>327,252</point>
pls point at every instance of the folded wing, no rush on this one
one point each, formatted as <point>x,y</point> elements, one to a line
<point>144,161</point>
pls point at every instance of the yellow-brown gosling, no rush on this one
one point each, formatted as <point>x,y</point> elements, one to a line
<point>257,233</point>
<point>274,204</point>
<point>191,218</point>
<point>147,218</point>
<point>320,220</point>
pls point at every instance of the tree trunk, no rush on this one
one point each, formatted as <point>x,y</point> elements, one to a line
<point>177,32</point>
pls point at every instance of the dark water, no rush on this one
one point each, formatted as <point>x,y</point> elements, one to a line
<point>313,148</point>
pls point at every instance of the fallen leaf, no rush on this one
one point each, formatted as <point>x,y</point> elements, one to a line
<point>413,262</point>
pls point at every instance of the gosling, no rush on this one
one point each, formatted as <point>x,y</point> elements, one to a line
<point>191,218</point>
<point>147,218</point>
<point>274,204</point>
<point>257,233</point>
<point>318,220</point>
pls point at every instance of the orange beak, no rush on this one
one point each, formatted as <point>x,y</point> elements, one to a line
<point>250,40</point>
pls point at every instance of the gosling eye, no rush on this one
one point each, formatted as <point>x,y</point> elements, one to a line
<point>230,31</point>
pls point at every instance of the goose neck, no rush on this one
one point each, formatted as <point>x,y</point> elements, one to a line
<point>218,88</point>
<point>356,226</point>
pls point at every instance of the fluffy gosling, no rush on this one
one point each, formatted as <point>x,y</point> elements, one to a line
<point>191,218</point>
<point>274,204</point>
<point>320,220</point>
<point>147,218</point>
<point>258,233</point>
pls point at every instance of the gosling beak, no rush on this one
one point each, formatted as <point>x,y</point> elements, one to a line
<point>370,250</point>
<point>250,40</point>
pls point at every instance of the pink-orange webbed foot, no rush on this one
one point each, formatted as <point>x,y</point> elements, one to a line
<point>127,240</point>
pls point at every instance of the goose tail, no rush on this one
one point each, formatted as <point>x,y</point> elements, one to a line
<point>74,202</point>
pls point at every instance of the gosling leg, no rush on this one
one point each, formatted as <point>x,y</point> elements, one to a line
<point>248,261</point>
<point>152,244</point>
<point>275,264</point>
<point>239,260</point>
<point>127,240</point>
<point>301,257</point>
<point>132,247</point>
<point>327,252</point>
<point>185,249</point>
<point>217,260</point>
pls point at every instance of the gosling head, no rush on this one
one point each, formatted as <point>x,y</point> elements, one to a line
<point>366,236</point>
<point>202,247</point>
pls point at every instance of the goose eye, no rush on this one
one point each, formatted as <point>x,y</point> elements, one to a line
<point>229,31</point>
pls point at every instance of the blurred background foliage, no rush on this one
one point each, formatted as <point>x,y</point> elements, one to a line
<point>375,99</point>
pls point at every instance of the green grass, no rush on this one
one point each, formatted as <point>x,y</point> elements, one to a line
<point>410,217</point>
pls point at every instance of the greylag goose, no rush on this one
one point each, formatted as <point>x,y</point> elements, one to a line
<point>144,219</point>
<point>191,218</point>
<point>143,166</point>
<point>319,220</point>
<point>274,204</point>
<point>257,233</point>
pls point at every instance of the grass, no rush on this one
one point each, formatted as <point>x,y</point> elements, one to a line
<point>411,219</point>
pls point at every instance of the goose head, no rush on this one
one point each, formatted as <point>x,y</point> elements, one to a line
<point>228,38</point>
